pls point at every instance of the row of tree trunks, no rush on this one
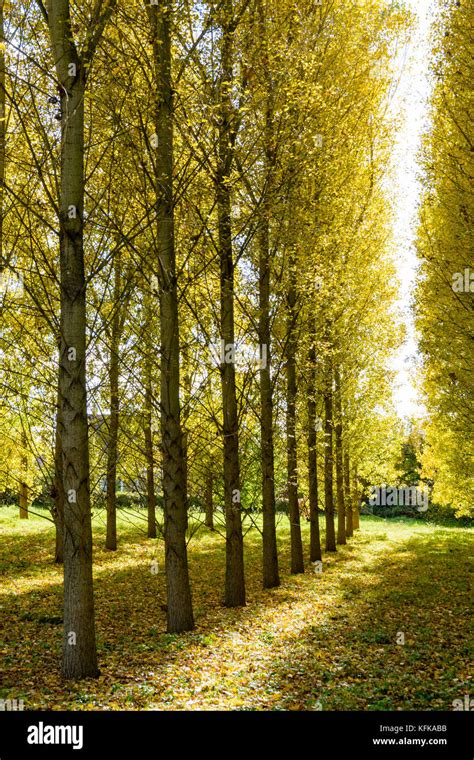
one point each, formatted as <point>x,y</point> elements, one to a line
<point>347,499</point>
<point>72,496</point>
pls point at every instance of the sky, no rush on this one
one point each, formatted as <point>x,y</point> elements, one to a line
<point>411,101</point>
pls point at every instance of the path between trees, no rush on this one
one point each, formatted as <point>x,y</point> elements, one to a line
<point>332,641</point>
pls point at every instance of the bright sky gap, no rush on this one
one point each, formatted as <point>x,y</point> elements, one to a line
<point>411,101</point>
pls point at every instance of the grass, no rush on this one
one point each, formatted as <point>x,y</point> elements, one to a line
<point>324,641</point>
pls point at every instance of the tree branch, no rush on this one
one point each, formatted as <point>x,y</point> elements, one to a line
<point>100,16</point>
<point>43,10</point>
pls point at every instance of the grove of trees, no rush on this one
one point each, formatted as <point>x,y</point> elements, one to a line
<point>446,280</point>
<point>198,277</point>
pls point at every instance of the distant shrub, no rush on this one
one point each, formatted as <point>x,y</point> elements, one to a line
<point>281,506</point>
<point>44,499</point>
<point>402,510</point>
<point>195,504</point>
<point>128,499</point>
<point>122,499</point>
<point>434,514</point>
<point>253,510</point>
<point>446,515</point>
<point>8,497</point>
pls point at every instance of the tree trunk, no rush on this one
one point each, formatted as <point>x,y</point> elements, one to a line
<point>187,393</point>
<point>209,502</point>
<point>341,515</point>
<point>79,654</point>
<point>150,461</point>
<point>58,490</point>
<point>23,487</point>
<point>315,538</point>
<point>297,562</point>
<point>271,576</point>
<point>347,494</point>
<point>179,606</point>
<point>23,500</point>
<point>112,443</point>
<point>79,657</point>
<point>356,503</point>
<point>328,461</point>
<point>3,131</point>
<point>184,439</point>
<point>234,579</point>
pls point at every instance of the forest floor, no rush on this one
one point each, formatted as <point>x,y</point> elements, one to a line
<point>319,641</point>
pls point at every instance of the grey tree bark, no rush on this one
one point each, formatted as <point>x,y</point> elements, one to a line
<point>3,130</point>
<point>149,456</point>
<point>114,402</point>
<point>297,562</point>
<point>271,576</point>
<point>341,516</point>
<point>329,459</point>
<point>59,496</point>
<point>234,576</point>
<point>355,502</point>
<point>79,643</point>
<point>347,494</point>
<point>209,501</point>
<point>315,538</point>
<point>23,496</point>
<point>179,602</point>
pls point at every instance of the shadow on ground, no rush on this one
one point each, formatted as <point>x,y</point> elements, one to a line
<point>317,642</point>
